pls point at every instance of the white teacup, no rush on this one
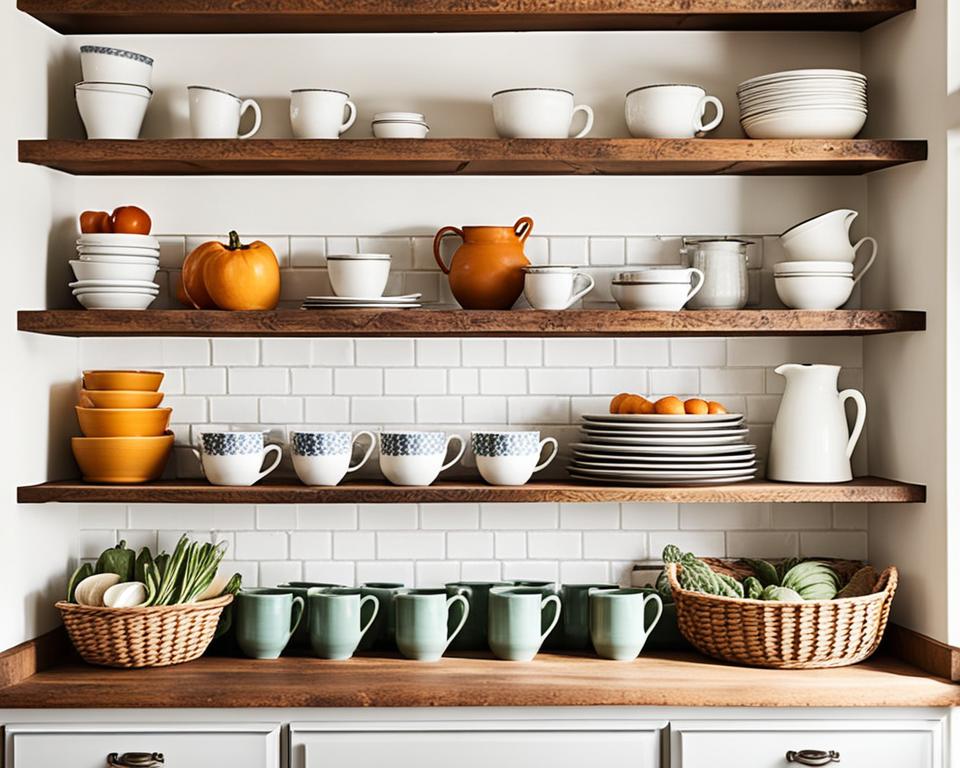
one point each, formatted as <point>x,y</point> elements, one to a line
<point>510,458</point>
<point>235,458</point>
<point>826,238</point>
<point>323,458</point>
<point>554,287</point>
<point>215,114</point>
<point>359,275</point>
<point>670,111</point>
<point>416,458</point>
<point>665,290</point>
<point>317,113</point>
<point>537,113</point>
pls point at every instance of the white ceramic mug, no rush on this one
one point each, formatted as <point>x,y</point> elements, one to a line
<point>216,114</point>
<point>826,238</point>
<point>537,113</point>
<point>554,287</point>
<point>416,458</point>
<point>670,111</point>
<point>323,458</point>
<point>510,458</point>
<point>665,290</point>
<point>235,458</point>
<point>317,113</point>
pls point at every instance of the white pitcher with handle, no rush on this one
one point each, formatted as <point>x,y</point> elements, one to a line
<point>811,442</point>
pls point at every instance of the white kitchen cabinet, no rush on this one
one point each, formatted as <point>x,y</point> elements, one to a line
<point>183,745</point>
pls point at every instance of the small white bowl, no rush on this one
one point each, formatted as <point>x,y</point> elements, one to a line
<point>409,117</point>
<point>818,123</point>
<point>98,270</point>
<point>814,291</point>
<point>115,65</point>
<point>112,113</point>
<point>361,276</point>
<point>664,297</point>
<point>133,284</point>
<point>110,250</point>
<point>400,129</point>
<point>116,300</point>
<point>119,239</point>
<point>786,268</point>
<point>93,258</point>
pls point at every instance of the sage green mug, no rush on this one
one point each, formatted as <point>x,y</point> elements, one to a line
<point>382,634</point>
<point>618,625</point>
<point>515,629</point>
<point>422,616</point>
<point>576,614</point>
<point>555,637</point>
<point>473,636</point>
<point>266,619</point>
<point>301,636</point>
<point>335,623</point>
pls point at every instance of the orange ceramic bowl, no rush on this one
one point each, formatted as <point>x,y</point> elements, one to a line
<point>119,398</point>
<point>122,459</point>
<point>123,422</point>
<point>142,381</point>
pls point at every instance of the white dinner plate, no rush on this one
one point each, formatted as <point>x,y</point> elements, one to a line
<point>689,450</point>
<point>653,458</point>
<point>113,284</point>
<point>661,418</point>
<point>696,426</point>
<point>792,75</point>
<point>362,300</point>
<point>667,468</point>
<point>658,441</point>
<point>626,479</point>
<point>656,433</point>
<point>118,239</point>
<point>660,474</point>
<point>360,306</point>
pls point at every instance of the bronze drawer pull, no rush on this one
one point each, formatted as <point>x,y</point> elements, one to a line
<point>135,760</point>
<point>813,757</point>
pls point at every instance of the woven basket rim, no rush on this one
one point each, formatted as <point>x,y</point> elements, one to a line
<point>888,576</point>
<point>214,602</point>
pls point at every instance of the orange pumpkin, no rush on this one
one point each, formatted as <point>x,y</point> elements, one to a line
<point>240,277</point>
<point>191,276</point>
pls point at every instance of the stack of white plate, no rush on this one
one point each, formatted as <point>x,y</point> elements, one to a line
<point>409,301</point>
<point>656,449</point>
<point>399,125</point>
<point>116,271</point>
<point>804,104</point>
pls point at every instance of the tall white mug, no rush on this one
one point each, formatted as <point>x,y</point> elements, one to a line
<point>318,113</point>
<point>216,114</point>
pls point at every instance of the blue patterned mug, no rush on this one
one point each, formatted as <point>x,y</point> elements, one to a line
<point>235,458</point>
<point>416,458</point>
<point>323,458</point>
<point>510,458</point>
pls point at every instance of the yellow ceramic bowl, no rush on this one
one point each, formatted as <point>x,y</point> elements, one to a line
<point>119,398</point>
<point>122,459</point>
<point>123,422</point>
<point>142,381</point>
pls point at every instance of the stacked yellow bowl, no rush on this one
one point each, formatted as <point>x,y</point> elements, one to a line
<point>125,437</point>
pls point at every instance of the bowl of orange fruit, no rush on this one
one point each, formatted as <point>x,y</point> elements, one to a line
<point>633,404</point>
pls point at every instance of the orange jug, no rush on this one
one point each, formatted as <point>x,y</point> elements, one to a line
<point>486,272</point>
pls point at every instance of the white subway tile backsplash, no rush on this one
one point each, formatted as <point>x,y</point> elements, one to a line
<point>643,353</point>
<point>615,545</point>
<point>771,352</point>
<point>538,410</point>
<point>384,410</point>
<point>450,517</point>
<point>762,544</point>
<point>311,545</point>
<point>280,572</point>
<point>439,409</point>
<point>103,516</point>
<point>264,381</point>
<point>485,410</point>
<point>539,570</point>
<point>470,545</point>
<point>311,381</point>
<point>354,545</point>
<point>607,251</point>
<point>233,409</point>
<point>384,352</point>
<point>587,353</point>
<point>509,545</point>
<point>289,352</point>
<point>92,543</point>
<point>337,246</point>
<point>569,250</point>
<point>205,381</point>
<point>589,516</point>
<point>414,381</point>
<point>330,572</point>
<point>399,249</point>
<point>585,572</point>
<point>682,382</point>
<point>396,571</point>
<point>479,353</point>
<point>444,353</point>
<point>383,517</point>
<point>801,516</point>
<point>734,381</point>
<point>261,545</point>
<point>308,252</point>
<point>281,410</point>
<point>847,544</point>
<point>236,351</point>
<point>358,381</point>
<point>558,381</point>
<point>703,543</point>
<point>609,381</point>
<point>711,517</point>
<point>480,570</point>
<point>850,517</point>
<point>503,381</point>
<point>464,381</point>
<point>326,516</point>
<point>326,352</point>
<point>327,410</point>
<point>280,517</point>
<point>433,573</point>
<point>560,545</point>
<point>698,352</point>
<point>537,250</point>
<point>185,351</point>
<point>411,545</point>
<point>649,517</point>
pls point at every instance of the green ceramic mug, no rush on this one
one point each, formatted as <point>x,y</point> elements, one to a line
<point>473,636</point>
<point>335,623</point>
<point>422,617</point>
<point>576,614</point>
<point>555,637</point>
<point>301,637</point>
<point>266,619</point>
<point>618,624</point>
<point>383,632</point>
<point>515,629</point>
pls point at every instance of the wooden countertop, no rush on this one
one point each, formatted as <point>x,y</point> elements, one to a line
<point>655,679</point>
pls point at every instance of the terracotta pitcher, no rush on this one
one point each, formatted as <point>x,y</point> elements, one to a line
<point>486,272</point>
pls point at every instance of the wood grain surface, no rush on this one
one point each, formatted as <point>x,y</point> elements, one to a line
<point>470,156</point>
<point>26,659</point>
<point>923,652</point>
<point>862,489</point>
<point>458,322</point>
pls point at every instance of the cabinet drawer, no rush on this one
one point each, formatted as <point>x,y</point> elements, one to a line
<point>467,745</point>
<point>867,744</point>
<point>244,745</point>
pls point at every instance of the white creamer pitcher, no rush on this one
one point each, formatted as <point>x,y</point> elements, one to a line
<point>811,442</point>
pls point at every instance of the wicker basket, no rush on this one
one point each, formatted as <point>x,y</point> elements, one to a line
<point>762,633</point>
<point>155,636</point>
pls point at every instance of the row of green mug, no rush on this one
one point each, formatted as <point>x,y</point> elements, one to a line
<point>513,619</point>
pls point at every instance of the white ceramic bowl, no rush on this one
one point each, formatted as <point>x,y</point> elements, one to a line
<point>98,270</point>
<point>410,117</point>
<point>669,297</point>
<point>116,300</point>
<point>119,250</point>
<point>814,291</point>
<point>813,267</point>
<point>119,239</point>
<point>806,124</point>
<point>115,65</point>
<point>93,258</point>
<point>361,276</point>
<point>110,283</point>
<point>113,112</point>
<point>400,129</point>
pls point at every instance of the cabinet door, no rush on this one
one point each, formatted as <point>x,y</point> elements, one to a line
<point>867,744</point>
<point>244,745</point>
<point>472,746</point>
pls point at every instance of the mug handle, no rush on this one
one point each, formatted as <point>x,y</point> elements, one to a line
<point>556,616</point>
<point>296,615</point>
<point>436,245</point>
<point>857,397</point>
<point>376,609</point>
<point>273,466</point>
<point>643,607</point>
<point>696,289</point>
<point>523,228</point>
<point>870,261</point>
<point>244,106</point>
<point>701,108</point>
<point>353,116</point>
<point>556,447</point>
<point>196,452</point>
<point>589,121</point>
<point>373,442</point>
<point>455,459</point>
<point>580,294</point>
<point>463,619</point>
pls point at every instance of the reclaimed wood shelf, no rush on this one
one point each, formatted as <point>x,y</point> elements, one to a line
<point>154,17</point>
<point>617,156</point>
<point>458,322</point>
<point>861,490</point>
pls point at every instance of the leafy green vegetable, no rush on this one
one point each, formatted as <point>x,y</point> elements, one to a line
<point>765,573</point>
<point>78,575</point>
<point>140,565</point>
<point>118,560</point>
<point>812,580</point>
<point>752,587</point>
<point>783,594</point>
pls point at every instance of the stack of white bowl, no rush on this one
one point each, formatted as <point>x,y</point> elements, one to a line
<point>115,91</point>
<point>804,104</point>
<point>400,125</point>
<point>116,271</point>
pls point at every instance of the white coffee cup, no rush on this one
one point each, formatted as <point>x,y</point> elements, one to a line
<point>826,238</point>
<point>510,458</point>
<point>554,287</point>
<point>235,458</point>
<point>359,275</point>
<point>416,458</point>
<point>323,458</point>
<point>216,114</point>
<point>664,290</point>
<point>537,113</point>
<point>670,111</point>
<point>317,113</point>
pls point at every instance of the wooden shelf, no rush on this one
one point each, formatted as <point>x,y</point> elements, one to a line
<point>470,156</point>
<point>458,322</point>
<point>862,489</point>
<point>269,16</point>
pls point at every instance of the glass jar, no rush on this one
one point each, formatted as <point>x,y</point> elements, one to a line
<point>724,265</point>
